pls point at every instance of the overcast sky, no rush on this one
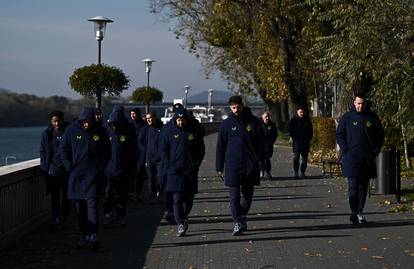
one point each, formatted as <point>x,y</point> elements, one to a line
<point>43,41</point>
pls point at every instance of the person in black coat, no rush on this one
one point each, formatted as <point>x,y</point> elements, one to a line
<point>301,132</point>
<point>120,167</point>
<point>360,136</point>
<point>85,151</point>
<point>181,150</point>
<point>51,165</point>
<point>150,139</point>
<point>137,180</point>
<point>239,150</point>
<point>270,134</point>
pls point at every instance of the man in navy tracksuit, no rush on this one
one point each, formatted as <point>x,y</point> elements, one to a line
<point>239,150</point>
<point>85,151</point>
<point>301,132</point>
<point>182,151</point>
<point>152,157</point>
<point>138,125</point>
<point>270,133</point>
<point>51,165</point>
<point>360,136</point>
<point>120,167</point>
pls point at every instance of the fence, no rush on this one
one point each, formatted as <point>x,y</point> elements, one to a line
<point>23,200</point>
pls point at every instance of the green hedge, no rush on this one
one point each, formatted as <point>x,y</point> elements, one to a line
<point>323,133</point>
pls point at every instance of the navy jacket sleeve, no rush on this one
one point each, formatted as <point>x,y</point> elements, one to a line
<point>44,152</point>
<point>164,148</point>
<point>221,148</point>
<point>341,134</point>
<point>200,150</point>
<point>142,142</point>
<point>65,151</point>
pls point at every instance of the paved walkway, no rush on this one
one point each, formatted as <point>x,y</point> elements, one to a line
<point>292,224</point>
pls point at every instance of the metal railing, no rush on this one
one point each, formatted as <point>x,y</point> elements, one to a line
<point>23,200</point>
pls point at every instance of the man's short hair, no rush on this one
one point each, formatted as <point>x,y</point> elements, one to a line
<point>56,113</point>
<point>235,100</point>
<point>300,107</point>
<point>360,95</point>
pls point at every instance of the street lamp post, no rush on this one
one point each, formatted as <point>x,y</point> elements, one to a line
<point>210,96</point>
<point>148,65</point>
<point>187,89</point>
<point>99,29</point>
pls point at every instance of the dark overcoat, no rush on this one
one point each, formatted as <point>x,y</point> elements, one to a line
<point>138,127</point>
<point>50,162</point>
<point>182,151</point>
<point>123,149</point>
<point>240,144</point>
<point>360,137</point>
<point>85,154</point>
<point>301,131</point>
<point>151,137</point>
<point>270,134</point>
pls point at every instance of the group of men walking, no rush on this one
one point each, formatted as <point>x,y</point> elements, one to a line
<point>88,159</point>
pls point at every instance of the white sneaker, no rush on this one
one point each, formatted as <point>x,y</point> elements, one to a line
<point>181,229</point>
<point>237,229</point>
<point>361,219</point>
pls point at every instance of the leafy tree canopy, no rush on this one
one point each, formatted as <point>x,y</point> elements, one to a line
<point>146,95</point>
<point>89,80</point>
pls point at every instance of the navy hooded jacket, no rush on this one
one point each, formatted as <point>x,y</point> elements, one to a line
<point>239,149</point>
<point>270,134</point>
<point>182,151</point>
<point>301,131</point>
<point>123,148</point>
<point>50,162</point>
<point>138,126</point>
<point>150,138</point>
<point>360,137</point>
<point>85,154</point>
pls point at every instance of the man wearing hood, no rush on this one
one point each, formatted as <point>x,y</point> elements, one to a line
<point>51,165</point>
<point>301,132</point>
<point>182,151</point>
<point>360,136</point>
<point>239,150</point>
<point>120,167</point>
<point>138,126</point>
<point>85,151</point>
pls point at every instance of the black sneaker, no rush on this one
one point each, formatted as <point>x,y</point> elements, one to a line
<point>83,242</point>
<point>56,225</point>
<point>354,219</point>
<point>107,222</point>
<point>237,229</point>
<point>170,218</point>
<point>93,242</point>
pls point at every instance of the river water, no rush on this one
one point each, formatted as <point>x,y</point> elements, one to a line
<point>19,144</point>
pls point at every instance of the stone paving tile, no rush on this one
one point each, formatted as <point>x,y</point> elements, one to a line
<point>292,224</point>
